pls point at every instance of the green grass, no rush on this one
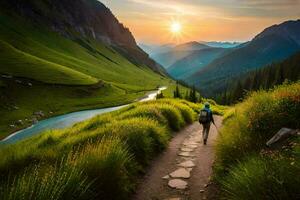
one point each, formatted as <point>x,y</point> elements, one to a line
<point>244,167</point>
<point>65,74</point>
<point>108,151</point>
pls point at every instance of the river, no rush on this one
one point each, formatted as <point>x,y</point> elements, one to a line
<point>67,120</point>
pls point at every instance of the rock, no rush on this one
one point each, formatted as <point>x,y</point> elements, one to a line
<point>281,135</point>
<point>11,125</point>
<point>16,107</point>
<point>30,84</point>
<point>39,114</point>
<point>178,184</point>
<point>187,149</point>
<point>189,169</point>
<point>176,198</point>
<point>185,154</point>
<point>6,76</point>
<point>18,81</point>
<point>166,177</point>
<point>34,120</point>
<point>20,122</point>
<point>187,164</point>
<point>201,191</point>
<point>187,143</point>
<point>180,173</point>
<point>191,146</point>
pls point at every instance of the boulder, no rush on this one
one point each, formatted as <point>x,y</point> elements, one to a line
<point>282,135</point>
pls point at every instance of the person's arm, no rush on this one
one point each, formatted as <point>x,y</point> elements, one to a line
<point>212,118</point>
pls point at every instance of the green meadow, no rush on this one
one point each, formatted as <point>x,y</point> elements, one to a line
<point>98,158</point>
<point>245,168</point>
<point>57,75</point>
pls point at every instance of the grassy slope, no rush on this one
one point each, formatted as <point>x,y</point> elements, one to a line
<point>105,154</point>
<point>245,168</point>
<point>36,53</point>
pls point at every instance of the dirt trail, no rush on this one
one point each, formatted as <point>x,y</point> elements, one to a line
<point>183,171</point>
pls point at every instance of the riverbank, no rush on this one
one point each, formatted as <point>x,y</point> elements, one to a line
<point>67,120</point>
<point>24,101</point>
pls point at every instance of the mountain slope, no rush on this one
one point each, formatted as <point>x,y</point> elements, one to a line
<point>64,56</point>
<point>81,18</point>
<point>176,53</point>
<point>273,44</point>
<point>194,62</point>
<point>264,78</point>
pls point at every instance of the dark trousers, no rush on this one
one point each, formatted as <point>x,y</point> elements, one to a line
<point>206,128</point>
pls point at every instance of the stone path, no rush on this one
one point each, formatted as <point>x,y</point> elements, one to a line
<point>183,171</point>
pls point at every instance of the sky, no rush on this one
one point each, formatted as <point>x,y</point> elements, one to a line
<point>150,21</point>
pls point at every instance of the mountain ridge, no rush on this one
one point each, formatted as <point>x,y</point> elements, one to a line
<point>269,46</point>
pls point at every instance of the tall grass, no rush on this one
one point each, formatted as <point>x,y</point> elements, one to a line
<point>104,154</point>
<point>241,170</point>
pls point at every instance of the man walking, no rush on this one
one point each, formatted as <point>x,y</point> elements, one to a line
<point>205,118</point>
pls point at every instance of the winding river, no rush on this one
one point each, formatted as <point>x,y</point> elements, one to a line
<point>67,120</point>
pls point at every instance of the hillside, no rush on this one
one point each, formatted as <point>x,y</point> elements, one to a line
<point>264,78</point>
<point>100,158</point>
<point>166,59</point>
<point>193,62</point>
<point>245,167</point>
<point>67,56</point>
<point>273,44</point>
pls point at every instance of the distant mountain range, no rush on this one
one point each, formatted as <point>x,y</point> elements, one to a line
<point>222,44</point>
<point>190,64</point>
<point>169,54</point>
<point>271,45</point>
<point>209,65</point>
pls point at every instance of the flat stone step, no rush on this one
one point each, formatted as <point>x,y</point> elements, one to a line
<point>186,154</point>
<point>187,164</point>
<point>185,149</point>
<point>178,184</point>
<point>181,173</point>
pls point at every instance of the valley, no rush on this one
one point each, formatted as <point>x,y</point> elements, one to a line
<point>149,100</point>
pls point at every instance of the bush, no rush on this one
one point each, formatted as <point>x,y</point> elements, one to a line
<point>262,178</point>
<point>256,120</point>
<point>106,164</point>
<point>241,170</point>
<point>63,181</point>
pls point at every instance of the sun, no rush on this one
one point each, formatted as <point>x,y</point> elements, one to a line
<point>176,27</point>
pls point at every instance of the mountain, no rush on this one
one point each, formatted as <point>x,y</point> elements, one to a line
<point>222,44</point>
<point>155,49</point>
<point>166,59</point>
<point>60,56</point>
<point>195,61</point>
<point>271,45</point>
<point>265,78</point>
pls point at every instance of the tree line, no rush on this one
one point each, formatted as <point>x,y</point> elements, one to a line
<point>264,78</point>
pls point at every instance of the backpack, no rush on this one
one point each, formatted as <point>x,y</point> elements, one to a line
<point>204,116</point>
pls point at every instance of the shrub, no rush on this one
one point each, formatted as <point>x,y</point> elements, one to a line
<point>241,170</point>
<point>262,178</point>
<point>256,120</point>
<point>63,181</point>
<point>108,165</point>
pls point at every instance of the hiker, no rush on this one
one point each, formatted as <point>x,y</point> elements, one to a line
<point>205,118</point>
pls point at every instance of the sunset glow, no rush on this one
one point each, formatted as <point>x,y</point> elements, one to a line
<point>232,20</point>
